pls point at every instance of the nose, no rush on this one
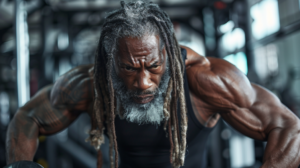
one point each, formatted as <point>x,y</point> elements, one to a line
<point>143,81</point>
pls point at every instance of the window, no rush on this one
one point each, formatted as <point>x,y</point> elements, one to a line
<point>233,40</point>
<point>265,17</point>
<point>266,61</point>
<point>239,60</point>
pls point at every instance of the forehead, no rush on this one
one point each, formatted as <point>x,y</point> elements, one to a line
<point>144,48</point>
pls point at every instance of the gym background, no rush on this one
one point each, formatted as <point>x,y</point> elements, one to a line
<point>42,39</point>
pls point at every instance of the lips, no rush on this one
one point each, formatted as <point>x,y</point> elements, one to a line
<point>143,99</point>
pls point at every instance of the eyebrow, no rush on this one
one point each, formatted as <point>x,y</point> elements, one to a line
<point>155,63</point>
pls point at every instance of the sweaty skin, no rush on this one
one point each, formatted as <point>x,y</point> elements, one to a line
<point>140,64</point>
<point>51,110</point>
<point>217,88</point>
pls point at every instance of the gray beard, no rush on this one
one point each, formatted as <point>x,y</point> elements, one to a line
<point>149,113</point>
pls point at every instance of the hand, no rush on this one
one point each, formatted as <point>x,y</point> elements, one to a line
<point>24,164</point>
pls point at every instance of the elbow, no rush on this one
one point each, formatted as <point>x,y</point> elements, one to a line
<point>289,122</point>
<point>293,128</point>
<point>288,127</point>
<point>297,127</point>
<point>294,124</point>
<point>25,121</point>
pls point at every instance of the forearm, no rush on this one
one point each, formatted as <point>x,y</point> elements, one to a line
<point>22,139</point>
<point>282,149</point>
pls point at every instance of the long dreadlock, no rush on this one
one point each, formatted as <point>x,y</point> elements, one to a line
<point>136,19</point>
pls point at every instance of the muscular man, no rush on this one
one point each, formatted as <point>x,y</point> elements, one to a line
<point>157,101</point>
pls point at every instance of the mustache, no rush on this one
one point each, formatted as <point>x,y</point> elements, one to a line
<point>136,93</point>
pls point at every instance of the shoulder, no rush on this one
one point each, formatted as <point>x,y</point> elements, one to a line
<point>74,89</point>
<point>217,82</point>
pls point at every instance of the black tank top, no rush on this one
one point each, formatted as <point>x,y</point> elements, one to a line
<point>146,146</point>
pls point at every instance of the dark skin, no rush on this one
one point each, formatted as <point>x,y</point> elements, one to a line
<point>217,88</point>
<point>141,65</point>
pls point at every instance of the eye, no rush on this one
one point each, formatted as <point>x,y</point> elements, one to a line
<point>128,68</point>
<point>154,67</point>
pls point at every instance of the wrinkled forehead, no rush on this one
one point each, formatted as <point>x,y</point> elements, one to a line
<point>147,47</point>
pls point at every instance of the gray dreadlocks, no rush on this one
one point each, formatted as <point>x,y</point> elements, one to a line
<point>135,19</point>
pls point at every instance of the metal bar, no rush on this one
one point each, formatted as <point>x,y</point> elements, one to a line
<point>283,32</point>
<point>22,52</point>
<point>94,6</point>
<point>248,35</point>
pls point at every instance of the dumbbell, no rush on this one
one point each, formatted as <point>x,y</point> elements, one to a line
<point>24,164</point>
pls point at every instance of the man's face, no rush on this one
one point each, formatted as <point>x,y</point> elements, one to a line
<point>140,63</point>
<point>140,78</point>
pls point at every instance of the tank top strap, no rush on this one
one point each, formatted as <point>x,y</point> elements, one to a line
<point>188,102</point>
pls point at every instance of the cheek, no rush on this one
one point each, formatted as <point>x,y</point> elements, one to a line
<point>128,79</point>
<point>155,78</point>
